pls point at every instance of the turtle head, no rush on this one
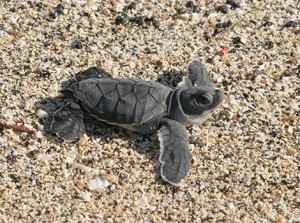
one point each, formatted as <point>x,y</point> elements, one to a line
<point>200,100</point>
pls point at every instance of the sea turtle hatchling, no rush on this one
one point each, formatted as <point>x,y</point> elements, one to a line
<point>142,106</point>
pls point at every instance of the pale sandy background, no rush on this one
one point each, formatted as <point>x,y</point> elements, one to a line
<point>246,166</point>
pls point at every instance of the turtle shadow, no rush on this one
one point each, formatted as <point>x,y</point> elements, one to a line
<point>170,78</point>
<point>147,145</point>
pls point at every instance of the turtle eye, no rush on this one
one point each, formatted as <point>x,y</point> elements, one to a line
<point>202,100</point>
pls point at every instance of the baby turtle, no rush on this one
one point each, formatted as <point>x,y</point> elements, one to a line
<point>143,106</point>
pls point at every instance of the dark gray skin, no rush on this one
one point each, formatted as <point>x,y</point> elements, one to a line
<point>143,106</point>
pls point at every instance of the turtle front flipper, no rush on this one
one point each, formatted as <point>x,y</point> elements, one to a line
<point>68,122</point>
<point>198,74</point>
<point>93,72</point>
<point>175,156</point>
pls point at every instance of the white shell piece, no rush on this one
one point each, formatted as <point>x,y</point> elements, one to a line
<point>98,183</point>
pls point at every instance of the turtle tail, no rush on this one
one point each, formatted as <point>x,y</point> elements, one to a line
<point>68,122</point>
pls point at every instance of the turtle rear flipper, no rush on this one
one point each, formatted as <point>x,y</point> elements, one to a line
<point>93,72</point>
<point>175,156</point>
<point>68,122</point>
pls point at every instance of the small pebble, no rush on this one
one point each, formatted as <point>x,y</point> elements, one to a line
<point>70,158</point>
<point>56,11</point>
<point>83,167</point>
<point>280,218</point>
<point>231,206</point>
<point>294,104</point>
<point>223,52</point>
<point>238,12</point>
<point>132,65</point>
<point>86,195</point>
<point>196,17</point>
<point>178,22</point>
<point>233,4</point>
<point>119,20</point>
<point>77,44</point>
<point>219,79</point>
<point>3,141</point>
<point>80,3</point>
<point>263,103</point>
<point>246,156</point>
<point>290,130</point>
<point>156,21</point>
<point>222,8</point>
<point>190,4</point>
<point>14,33</point>
<point>117,7</point>
<point>94,48</point>
<point>39,134</point>
<point>290,24</point>
<point>83,141</point>
<point>42,114</point>
<point>213,15</point>
<point>44,157</point>
<point>98,183</point>
<point>143,202</point>
<point>111,178</point>
<point>234,102</point>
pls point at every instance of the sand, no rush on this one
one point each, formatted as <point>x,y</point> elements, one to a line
<point>246,156</point>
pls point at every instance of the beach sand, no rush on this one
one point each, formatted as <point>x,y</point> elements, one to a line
<point>246,156</point>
